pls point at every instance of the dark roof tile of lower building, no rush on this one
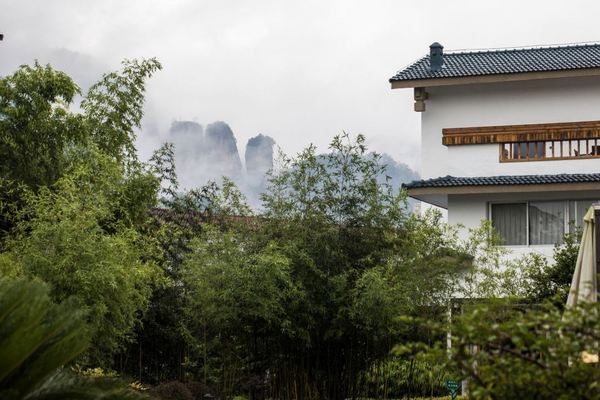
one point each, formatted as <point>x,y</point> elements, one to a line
<point>452,181</point>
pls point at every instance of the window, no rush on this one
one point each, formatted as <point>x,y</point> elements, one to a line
<point>537,222</point>
<point>510,220</point>
<point>577,210</point>
<point>546,222</point>
<point>550,150</point>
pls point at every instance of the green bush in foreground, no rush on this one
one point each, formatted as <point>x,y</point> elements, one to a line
<point>507,351</point>
<point>37,339</point>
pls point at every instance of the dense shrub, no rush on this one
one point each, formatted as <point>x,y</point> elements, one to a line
<point>511,351</point>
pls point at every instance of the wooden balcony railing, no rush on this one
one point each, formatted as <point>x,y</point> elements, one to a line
<point>550,150</point>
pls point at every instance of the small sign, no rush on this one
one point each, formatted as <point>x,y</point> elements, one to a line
<point>453,388</point>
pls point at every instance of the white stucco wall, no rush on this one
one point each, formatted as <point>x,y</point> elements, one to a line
<point>543,101</point>
<point>482,160</point>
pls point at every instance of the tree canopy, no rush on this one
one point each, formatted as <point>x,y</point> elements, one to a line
<point>75,199</point>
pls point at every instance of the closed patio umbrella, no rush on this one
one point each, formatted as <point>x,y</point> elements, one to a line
<point>585,278</point>
<point>584,284</point>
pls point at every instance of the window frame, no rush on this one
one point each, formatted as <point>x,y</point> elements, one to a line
<point>566,216</point>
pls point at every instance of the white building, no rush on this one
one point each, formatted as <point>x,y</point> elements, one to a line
<point>509,135</point>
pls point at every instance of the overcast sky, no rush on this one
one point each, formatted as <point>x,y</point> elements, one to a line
<point>300,71</point>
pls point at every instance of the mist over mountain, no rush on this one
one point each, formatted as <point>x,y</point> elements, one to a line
<point>399,172</point>
<point>205,154</point>
<point>188,138</point>
<point>209,153</point>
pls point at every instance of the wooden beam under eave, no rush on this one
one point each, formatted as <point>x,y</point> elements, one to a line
<point>523,76</point>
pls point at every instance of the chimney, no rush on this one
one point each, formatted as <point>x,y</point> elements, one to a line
<point>436,56</point>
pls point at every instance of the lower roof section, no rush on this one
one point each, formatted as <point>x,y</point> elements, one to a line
<point>436,190</point>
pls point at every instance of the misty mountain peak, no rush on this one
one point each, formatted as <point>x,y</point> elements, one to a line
<point>204,154</point>
<point>259,154</point>
<point>222,145</point>
<point>185,128</point>
<point>220,134</point>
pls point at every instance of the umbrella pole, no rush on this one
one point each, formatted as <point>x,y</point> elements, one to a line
<point>597,246</point>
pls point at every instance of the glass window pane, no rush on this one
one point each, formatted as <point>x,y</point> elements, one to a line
<point>505,151</point>
<point>549,150</point>
<point>519,150</point>
<point>572,215</point>
<point>574,148</point>
<point>537,150</point>
<point>577,210</point>
<point>510,221</point>
<point>546,222</point>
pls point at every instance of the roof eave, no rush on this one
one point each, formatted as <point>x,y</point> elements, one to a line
<point>495,78</point>
<point>438,196</point>
<point>510,188</point>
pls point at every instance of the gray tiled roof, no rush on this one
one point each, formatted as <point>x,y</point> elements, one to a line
<point>451,181</point>
<point>508,61</point>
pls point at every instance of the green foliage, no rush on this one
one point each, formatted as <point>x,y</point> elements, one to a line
<point>37,339</point>
<point>490,274</point>
<point>235,293</point>
<point>428,262</point>
<point>233,289</point>
<point>75,200</point>
<point>514,339</point>
<point>552,281</point>
<point>512,353</point>
<point>37,336</point>
<point>163,340</point>
<point>374,304</point>
<point>531,278</point>
<point>397,378</point>
<point>219,201</point>
<point>114,108</point>
<point>308,294</point>
<point>339,187</point>
<point>36,126</point>
<point>41,138</point>
<point>72,240</point>
<point>162,165</point>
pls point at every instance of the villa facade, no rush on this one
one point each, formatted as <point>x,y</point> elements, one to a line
<point>509,135</point>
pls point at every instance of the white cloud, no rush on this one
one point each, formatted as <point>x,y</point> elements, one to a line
<point>298,71</point>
